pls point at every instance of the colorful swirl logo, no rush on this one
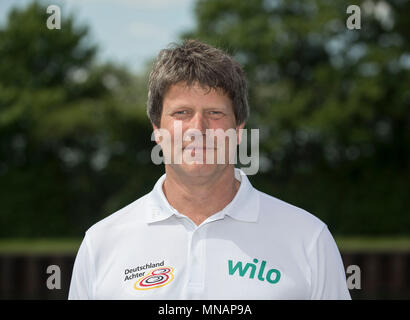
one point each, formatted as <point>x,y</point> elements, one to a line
<point>155,279</point>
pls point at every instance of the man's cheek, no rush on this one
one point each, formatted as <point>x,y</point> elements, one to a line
<point>224,142</point>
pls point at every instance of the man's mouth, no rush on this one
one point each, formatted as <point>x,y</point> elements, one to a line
<point>198,148</point>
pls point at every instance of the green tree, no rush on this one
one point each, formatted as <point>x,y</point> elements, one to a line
<point>74,137</point>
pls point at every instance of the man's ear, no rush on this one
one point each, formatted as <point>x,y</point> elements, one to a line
<point>239,132</point>
<point>157,135</point>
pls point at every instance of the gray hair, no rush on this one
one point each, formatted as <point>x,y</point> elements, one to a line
<point>197,62</point>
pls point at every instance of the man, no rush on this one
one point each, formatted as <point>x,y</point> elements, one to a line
<point>204,232</point>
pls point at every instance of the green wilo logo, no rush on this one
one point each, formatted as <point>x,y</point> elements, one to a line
<point>272,276</point>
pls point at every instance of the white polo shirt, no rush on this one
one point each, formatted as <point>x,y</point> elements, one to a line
<point>257,247</point>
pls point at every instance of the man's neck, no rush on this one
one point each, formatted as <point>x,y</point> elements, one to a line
<point>200,197</point>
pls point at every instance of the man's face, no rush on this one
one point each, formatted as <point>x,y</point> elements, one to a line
<point>195,107</point>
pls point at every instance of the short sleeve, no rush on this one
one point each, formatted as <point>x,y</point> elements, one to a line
<point>328,278</point>
<point>82,276</point>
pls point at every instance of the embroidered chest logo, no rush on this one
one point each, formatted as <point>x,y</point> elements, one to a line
<point>146,278</point>
<point>155,279</point>
<point>272,276</point>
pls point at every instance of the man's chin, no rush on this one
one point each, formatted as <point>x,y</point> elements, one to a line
<point>196,169</point>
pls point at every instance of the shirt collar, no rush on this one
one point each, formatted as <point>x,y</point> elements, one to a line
<point>243,207</point>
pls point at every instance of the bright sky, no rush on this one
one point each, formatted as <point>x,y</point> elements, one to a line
<point>127,31</point>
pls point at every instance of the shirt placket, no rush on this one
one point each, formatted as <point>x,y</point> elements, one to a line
<point>195,260</point>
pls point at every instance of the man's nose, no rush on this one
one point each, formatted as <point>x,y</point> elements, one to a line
<point>199,123</point>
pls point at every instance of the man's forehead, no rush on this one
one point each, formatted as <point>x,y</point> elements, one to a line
<point>197,87</point>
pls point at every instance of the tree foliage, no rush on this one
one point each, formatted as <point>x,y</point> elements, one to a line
<point>71,130</point>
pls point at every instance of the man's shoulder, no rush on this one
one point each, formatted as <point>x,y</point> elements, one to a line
<point>280,212</point>
<point>130,214</point>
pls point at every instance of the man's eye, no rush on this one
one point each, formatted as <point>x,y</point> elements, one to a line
<point>216,114</point>
<point>180,112</point>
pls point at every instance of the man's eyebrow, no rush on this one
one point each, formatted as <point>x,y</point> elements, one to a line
<point>216,107</point>
<point>184,106</point>
<point>177,106</point>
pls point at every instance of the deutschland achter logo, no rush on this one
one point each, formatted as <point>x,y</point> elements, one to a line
<point>155,279</point>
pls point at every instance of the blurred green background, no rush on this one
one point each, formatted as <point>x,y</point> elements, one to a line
<point>332,106</point>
